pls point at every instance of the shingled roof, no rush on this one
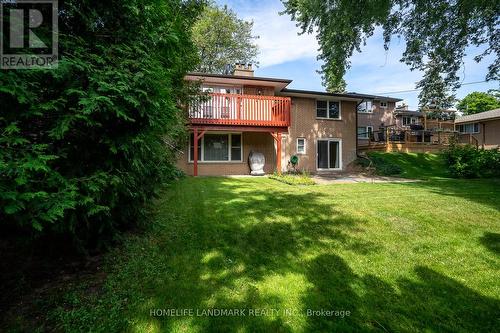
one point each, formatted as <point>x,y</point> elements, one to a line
<point>486,115</point>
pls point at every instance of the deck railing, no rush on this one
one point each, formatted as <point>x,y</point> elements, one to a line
<point>245,110</point>
<point>402,135</point>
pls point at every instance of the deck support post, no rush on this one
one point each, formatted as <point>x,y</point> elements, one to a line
<point>196,137</point>
<point>195,154</point>
<point>278,152</point>
<point>277,137</point>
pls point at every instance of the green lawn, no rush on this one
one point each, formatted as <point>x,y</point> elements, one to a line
<point>399,257</point>
<point>414,165</point>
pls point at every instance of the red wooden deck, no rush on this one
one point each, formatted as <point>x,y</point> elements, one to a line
<point>241,110</point>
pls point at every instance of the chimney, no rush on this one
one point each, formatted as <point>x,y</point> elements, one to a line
<point>243,70</point>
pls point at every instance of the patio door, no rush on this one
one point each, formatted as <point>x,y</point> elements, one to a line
<point>328,154</point>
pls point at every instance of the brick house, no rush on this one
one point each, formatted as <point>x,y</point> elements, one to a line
<point>374,114</point>
<point>244,113</point>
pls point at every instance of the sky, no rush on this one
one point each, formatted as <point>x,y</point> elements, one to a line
<point>286,54</point>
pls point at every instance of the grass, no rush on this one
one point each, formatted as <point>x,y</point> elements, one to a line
<point>293,179</point>
<point>413,165</point>
<point>394,257</point>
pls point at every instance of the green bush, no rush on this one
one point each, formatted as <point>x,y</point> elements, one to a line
<point>294,178</point>
<point>82,146</point>
<point>466,161</point>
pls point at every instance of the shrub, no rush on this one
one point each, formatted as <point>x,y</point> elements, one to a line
<point>82,146</point>
<point>293,178</point>
<point>466,161</point>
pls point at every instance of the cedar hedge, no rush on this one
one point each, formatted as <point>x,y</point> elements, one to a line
<point>82,146</point>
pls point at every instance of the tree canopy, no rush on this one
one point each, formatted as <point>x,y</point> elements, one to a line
<point>477,101</point>
<point>441,30</point>
<point>223,39</point>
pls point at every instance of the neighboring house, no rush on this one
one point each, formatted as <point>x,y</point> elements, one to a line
<point>374,114</point>
<point>481,128</point>
<point>405,118</point>
<point>379,115</point>
<point>244,113</point>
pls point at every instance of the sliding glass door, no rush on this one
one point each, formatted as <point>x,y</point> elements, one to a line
<point>328,154</point>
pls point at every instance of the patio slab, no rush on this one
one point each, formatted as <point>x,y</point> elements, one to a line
<point>358,178</point>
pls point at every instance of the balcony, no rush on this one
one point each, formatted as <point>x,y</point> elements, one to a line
<point>240,110</point>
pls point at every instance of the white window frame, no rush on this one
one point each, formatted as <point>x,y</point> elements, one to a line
<point>297,146</point>
<point>473,125</point>
<point>340,154</point>
<point>383,106</point>
<point>238,90</point>
<point>413,120</point>
<point>328,109</point>
<point>202,145</point>
<point>368,129</point>
<point>370,110</point>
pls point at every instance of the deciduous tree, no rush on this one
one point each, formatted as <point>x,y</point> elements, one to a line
<point>479,102</point>
<point>441,28</point>
<point>223,39</point>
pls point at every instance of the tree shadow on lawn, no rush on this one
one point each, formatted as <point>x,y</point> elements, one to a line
<point>432,302</point>
<point>233,240</point>
<point>491,240</point>
<point>481,191</point>
<point>230,240</point>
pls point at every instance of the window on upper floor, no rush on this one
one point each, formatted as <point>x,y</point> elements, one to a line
<point>408,120</point>
<point>365,107</point>
<point>221,89</point>
<point>327,109</point>
<point>383,104</point>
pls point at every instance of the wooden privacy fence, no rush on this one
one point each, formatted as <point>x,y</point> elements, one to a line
<point>406,139</point>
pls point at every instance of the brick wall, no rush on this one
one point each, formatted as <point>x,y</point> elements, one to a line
<point>305,125</point>
<point>378,116</point>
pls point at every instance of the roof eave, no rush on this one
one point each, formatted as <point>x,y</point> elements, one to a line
<point>463,121</point>
<point>352,96</point>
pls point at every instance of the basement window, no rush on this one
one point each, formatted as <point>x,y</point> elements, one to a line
<point>217,147</point>
<point>301,145</point>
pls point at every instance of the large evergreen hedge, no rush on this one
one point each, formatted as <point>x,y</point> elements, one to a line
<point>82,147</point>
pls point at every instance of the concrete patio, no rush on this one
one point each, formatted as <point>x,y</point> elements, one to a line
<point>326,179</point>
